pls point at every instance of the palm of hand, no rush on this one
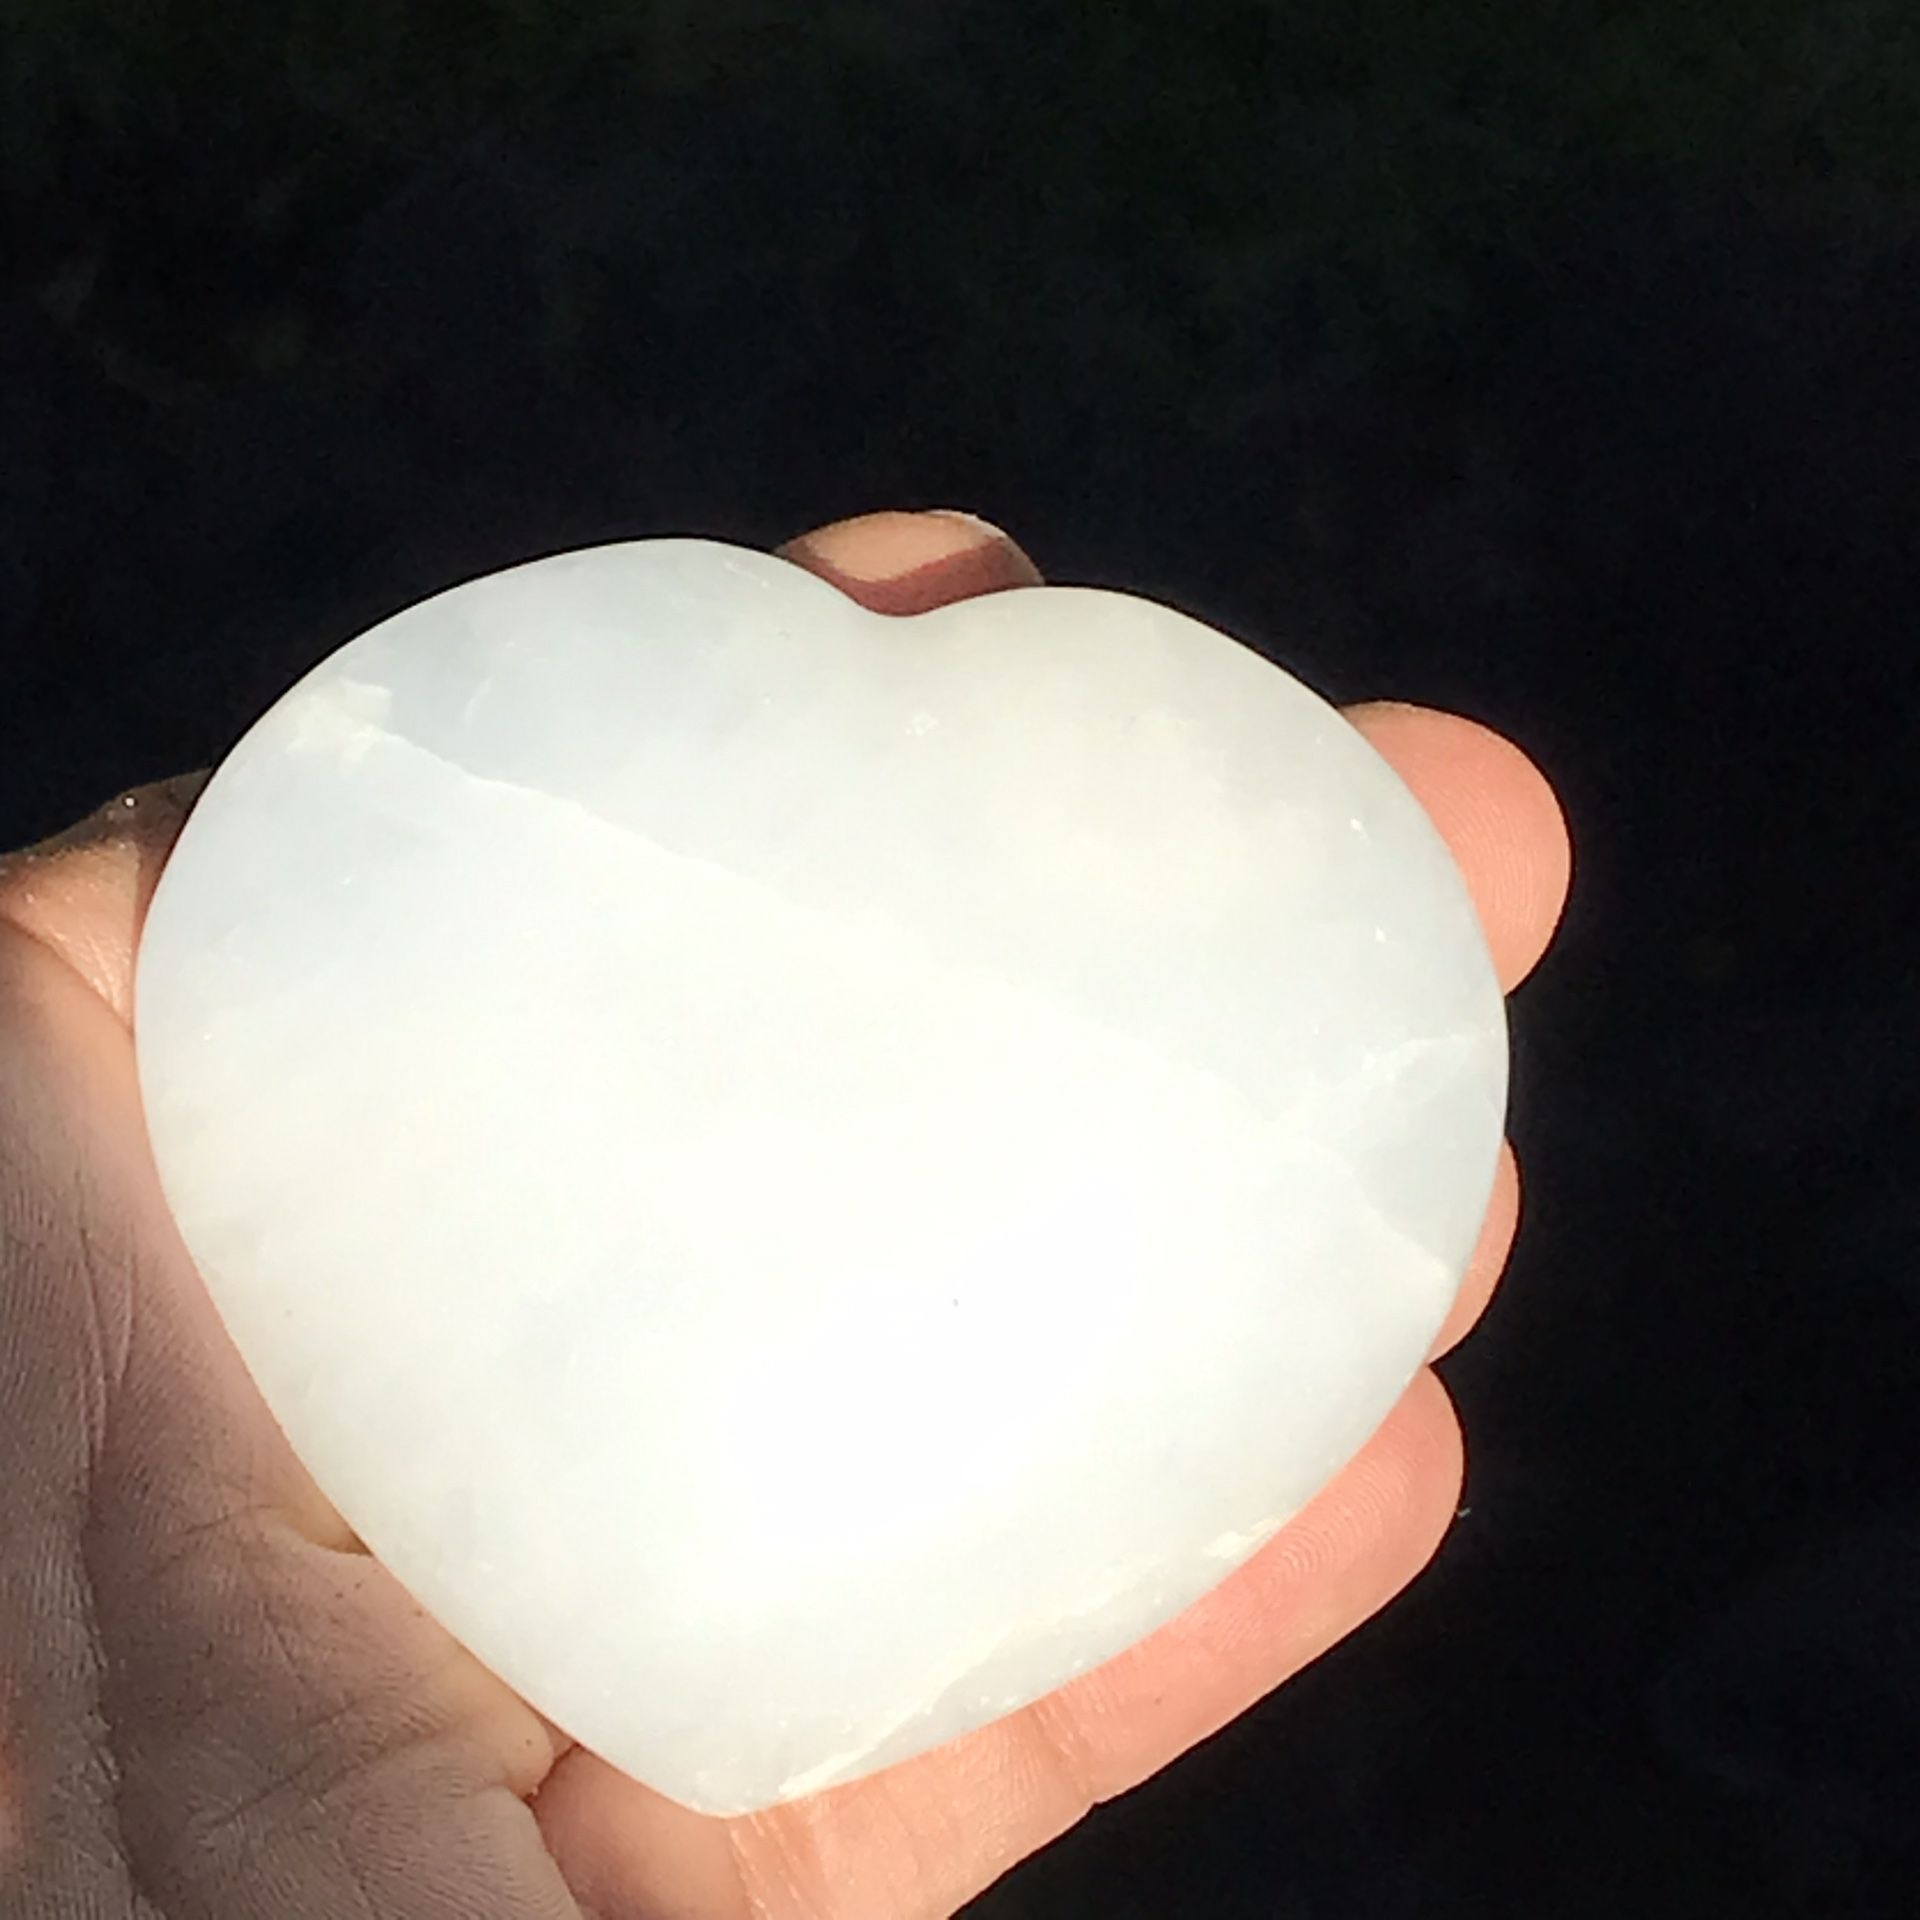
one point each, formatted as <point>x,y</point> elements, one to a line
<point>214,1703</point>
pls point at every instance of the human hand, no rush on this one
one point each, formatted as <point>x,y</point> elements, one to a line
<point>215,1705</point>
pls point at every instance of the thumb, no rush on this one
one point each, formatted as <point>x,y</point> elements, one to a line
<point>84,893</point>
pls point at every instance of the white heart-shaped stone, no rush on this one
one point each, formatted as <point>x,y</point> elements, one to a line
<point>803,1177</point>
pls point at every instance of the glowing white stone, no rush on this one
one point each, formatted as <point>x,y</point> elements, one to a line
<point>801,1177</point>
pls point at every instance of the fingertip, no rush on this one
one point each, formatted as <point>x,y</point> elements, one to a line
<point>904,563</point>
<point>1498,813</point>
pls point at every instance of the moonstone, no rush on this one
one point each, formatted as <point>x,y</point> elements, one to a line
<point>801,1177</point>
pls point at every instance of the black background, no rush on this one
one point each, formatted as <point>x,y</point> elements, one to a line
<point>1555,364</point>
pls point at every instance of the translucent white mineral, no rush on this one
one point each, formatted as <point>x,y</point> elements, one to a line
<point>803,1177</point>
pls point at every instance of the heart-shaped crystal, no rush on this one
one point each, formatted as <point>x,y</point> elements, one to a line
<point>802,1177</point>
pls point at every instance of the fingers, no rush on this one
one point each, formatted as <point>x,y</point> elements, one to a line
<point>1509,837</point>
<point>921,1839</point>
<point>1497,813</point>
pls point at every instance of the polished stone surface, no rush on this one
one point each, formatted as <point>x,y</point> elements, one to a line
<point>800,1177</point>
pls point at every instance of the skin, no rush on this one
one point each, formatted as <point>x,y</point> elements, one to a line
<point>214,1703</point>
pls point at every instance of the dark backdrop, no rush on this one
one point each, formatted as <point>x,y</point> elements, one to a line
<point>1556,364</point>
